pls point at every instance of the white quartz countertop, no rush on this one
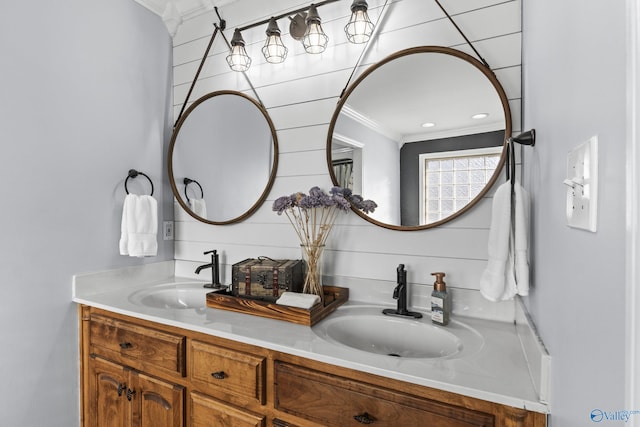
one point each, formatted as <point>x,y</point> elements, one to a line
<point>497,372</point>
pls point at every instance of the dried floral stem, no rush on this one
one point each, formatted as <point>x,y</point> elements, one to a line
<point>312,217</point>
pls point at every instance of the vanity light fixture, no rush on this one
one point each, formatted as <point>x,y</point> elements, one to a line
<point>314,40</point>
<point>360,27</point>
<point>274,50</point>
<point>480,116</point>
<point>238,59</point>
<point>305,26</point>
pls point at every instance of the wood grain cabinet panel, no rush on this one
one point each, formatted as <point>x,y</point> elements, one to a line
<point>334,401</point>
<point>159,403</point>
<point>209,412</point>
<point>216,370</point>
<point>137,346</point>
<point>107,405</point>
<point>121,397</point>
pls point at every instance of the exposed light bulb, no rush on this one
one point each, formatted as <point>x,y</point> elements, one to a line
<point>314,40</point>
<point>238,59</point>
<point>360,27</point>
<point>274,50</point>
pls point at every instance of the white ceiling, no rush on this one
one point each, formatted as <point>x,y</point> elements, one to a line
<point>174,12</point>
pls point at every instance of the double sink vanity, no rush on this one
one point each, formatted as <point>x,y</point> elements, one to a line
<point>153,354</point>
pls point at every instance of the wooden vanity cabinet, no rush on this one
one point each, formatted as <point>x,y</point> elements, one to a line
<point>116,393</point>
<point>142,374</point>
<point>121,397</point>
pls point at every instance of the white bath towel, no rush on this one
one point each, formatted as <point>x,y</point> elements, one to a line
<point>507,271</point>
<point>198,207</point>
<point>518,270</point>
<point>139,228</point>
<point>295,299</point>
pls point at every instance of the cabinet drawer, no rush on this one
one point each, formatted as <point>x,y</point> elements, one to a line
<point>206,412</point>
<point>334,401</point>
<point>137,346</point>
<point>217,369</point>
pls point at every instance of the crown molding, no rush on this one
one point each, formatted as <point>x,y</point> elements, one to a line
<point>174,12</point>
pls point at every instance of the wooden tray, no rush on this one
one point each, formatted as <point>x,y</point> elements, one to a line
<point>334,297</point>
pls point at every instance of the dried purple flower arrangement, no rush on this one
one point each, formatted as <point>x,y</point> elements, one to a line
<point>313,217</point>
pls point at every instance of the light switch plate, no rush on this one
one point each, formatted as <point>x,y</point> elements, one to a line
<point>582,185</point>
<point>167,232</point>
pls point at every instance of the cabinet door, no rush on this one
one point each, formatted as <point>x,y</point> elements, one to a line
<point>209,412</point>
<point>108,405</point>
<point>157,403</point>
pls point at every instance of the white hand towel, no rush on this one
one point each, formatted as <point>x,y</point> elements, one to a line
<point>139,227</point>
<point>517,272</point>
<point>295,299</point>
<point>521,230</point>
<point>507,272</point>
<point>492,282</point>
<point>198,207</point>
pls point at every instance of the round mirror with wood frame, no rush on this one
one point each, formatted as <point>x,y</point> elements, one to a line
<point>223,157</point>
<point>423,134</point>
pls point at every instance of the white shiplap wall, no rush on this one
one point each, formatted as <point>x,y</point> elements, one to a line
<point>300,96</point>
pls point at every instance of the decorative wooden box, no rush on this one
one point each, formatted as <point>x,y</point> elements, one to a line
<point>334,297</point>
<point>267,278</point>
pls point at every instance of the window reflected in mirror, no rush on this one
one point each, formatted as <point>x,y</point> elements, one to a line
<point>450,180</point>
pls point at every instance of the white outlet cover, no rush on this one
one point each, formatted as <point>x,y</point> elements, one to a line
<point>582,186</point>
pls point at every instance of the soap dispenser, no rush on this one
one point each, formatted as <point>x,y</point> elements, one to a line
<point>440,301</point>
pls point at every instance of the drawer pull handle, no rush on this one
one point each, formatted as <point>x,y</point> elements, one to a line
<point>121,388</point>
<point>219,375</point>
<point>130,394</point>
<point>364,418</point>
<point>125,345</point>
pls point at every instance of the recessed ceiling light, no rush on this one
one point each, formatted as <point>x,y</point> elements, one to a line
<point>480,116</point>
<point>428,125</point>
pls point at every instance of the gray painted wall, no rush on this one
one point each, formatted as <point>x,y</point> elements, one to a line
<point>84,97</point>
<point>574,87</point>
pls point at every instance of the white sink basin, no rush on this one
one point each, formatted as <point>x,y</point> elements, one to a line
<point>365,328</point>
<point>172,295</point>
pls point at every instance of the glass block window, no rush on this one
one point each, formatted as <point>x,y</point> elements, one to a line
<point>450,180</point>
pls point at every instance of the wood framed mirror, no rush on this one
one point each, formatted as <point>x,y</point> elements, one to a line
<point>223,157</point>
<point>423,134</point>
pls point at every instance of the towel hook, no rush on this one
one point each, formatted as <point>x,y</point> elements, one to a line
<point>525,138</point>
<point>188,181</point>
<point>133,174</point>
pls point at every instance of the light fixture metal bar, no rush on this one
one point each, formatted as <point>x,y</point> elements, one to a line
<point>463,35</point>
<point>282,15</point>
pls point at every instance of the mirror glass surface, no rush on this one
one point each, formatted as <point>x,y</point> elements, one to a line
<point>380,143</point>
<point>226,143</point>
